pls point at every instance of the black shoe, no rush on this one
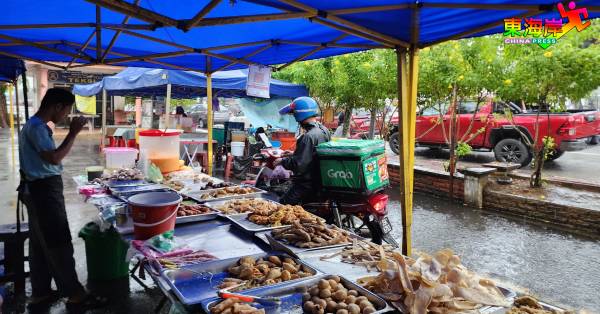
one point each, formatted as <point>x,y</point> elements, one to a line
<point>44,303</point>
<point>90,302</point>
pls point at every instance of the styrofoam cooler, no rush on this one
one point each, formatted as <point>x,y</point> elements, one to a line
<point>120,157</point>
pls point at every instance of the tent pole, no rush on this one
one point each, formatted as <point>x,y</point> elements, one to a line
<point>103,138</point>
<point>168,106</point>
<point>25,100</point>
<point>402,142</point>
<point>209,115</point>
<point>17,106</point>
<point>11,120</point>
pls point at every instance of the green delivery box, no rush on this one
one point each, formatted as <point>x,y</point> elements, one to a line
<point>353,166</point>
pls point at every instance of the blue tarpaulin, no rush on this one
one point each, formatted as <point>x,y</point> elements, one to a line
<point>10,68</point>
<point>236,33</point>
<point>266,112</point>
<point>146,82</point>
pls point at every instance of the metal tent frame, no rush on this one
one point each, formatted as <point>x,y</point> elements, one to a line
<point>351,23</point>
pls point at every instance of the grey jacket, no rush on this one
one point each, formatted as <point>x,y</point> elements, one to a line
<point>304,161</point>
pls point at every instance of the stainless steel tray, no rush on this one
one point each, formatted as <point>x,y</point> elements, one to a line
<point>293,250</point>
<point>242,221</point>
<point>216,204</point>
<point>194,218</point>
<point>291,296</point>
<point>335,265</point>
<point>198,194</point>
<point>194,283</point>
<point>502,310</point>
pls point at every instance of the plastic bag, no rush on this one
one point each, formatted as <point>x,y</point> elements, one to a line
<point>154,174</point>
<point>164,242</point>
<point>280,173</point>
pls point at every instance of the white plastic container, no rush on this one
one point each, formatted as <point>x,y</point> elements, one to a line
<point>237,148</point>
<point>120,157</point>
<point>161,148</point>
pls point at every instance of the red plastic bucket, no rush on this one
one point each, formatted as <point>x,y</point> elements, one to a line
<point>153,213</point>
<point>288,143</point>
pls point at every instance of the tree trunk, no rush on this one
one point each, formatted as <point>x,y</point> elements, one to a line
<point>3,109</point>
<point>453,139</point>
<point>373,123</point>
<point>347,118</point>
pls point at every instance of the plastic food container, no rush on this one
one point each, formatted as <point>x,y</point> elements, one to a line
<point>238,136</point>
<point>237,148</point>
<point>162,148</point>
<point>120,157</point>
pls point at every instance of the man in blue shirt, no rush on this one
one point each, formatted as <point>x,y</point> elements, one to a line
<point>41,190</point>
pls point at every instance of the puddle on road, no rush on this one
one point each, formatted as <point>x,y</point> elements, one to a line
<point>554,265</point>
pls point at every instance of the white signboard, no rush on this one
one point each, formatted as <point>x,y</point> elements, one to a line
<point>259,80</point>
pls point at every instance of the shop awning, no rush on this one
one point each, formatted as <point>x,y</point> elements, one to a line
<point>145,82</point>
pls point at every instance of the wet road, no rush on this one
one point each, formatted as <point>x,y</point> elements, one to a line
<point>578,166</point>
<point>555,266</point>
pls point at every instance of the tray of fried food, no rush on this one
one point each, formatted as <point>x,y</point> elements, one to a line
<point>234,306</point>
<point>242,205</point>
<point>225,193</point>
<point>197,283</point>
<point>304,236</point>
<point>529,305</point>
<point>190,211</point>
<point>438,283</point>
<point>268,215</point>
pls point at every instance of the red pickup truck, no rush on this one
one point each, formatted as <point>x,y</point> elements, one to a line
<point>571,130</point>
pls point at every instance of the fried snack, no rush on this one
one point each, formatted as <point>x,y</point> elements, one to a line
<point>250,205</point>
<point>311,235</point>
<point>529,305</point>
<point>192,210</point>
<point>331,296</point>
<point>249,273</point>
<point>175,185</point>
<point>365,253</point>
<point>281,215</point>
<point>228,191</point>
<point>234,306</point>
<point>436,284</point>
<point>124,174</point>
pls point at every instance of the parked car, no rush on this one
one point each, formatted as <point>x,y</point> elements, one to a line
<point>199,114</point>
<point>571,130</point>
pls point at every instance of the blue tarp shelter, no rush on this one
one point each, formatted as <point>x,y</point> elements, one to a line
<point>10,68</point>
<point>214,35</point>
<point>145,82</point>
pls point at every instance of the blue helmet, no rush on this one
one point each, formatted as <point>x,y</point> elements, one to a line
<point>302,108</point>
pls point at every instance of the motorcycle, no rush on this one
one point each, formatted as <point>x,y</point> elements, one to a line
<point>365,215</point>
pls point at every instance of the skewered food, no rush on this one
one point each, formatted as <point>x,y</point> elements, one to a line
<point>331,296</point>
<point>228,191</point>
<point>249,273</point>
<point>529,305</point>
<point>234,306</point>
<point>187,258</point>
<point>365,253</point>
<point>191,209</point>
<point>438,284</point>
<point>311,235</point>
<point>241,206</point>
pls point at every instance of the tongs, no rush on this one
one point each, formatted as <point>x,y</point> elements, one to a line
<point>225,294</point>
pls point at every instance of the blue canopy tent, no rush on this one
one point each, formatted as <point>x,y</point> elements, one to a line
<point>144,82</point>
<point>213,35</point>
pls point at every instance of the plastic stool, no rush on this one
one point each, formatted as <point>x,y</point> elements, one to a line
<point>14,255</point>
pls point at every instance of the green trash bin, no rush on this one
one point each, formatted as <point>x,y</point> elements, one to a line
<point>105,252</point>
<point>353,166</point>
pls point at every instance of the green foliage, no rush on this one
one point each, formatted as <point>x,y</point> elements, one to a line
<point>463,149</point>
<point>549,147</point>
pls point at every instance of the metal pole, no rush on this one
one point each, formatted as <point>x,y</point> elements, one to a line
<point>11,120</point>
<point>402,143</point>
<point>103,138</point>
<point>209,114</point>
<point>25,99</point>
<point>17,105</point>
<point>168,106</point>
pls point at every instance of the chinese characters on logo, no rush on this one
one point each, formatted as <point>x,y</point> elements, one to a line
<point>545,32</point>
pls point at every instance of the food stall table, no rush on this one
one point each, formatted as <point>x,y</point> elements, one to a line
<point>195,144</point>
